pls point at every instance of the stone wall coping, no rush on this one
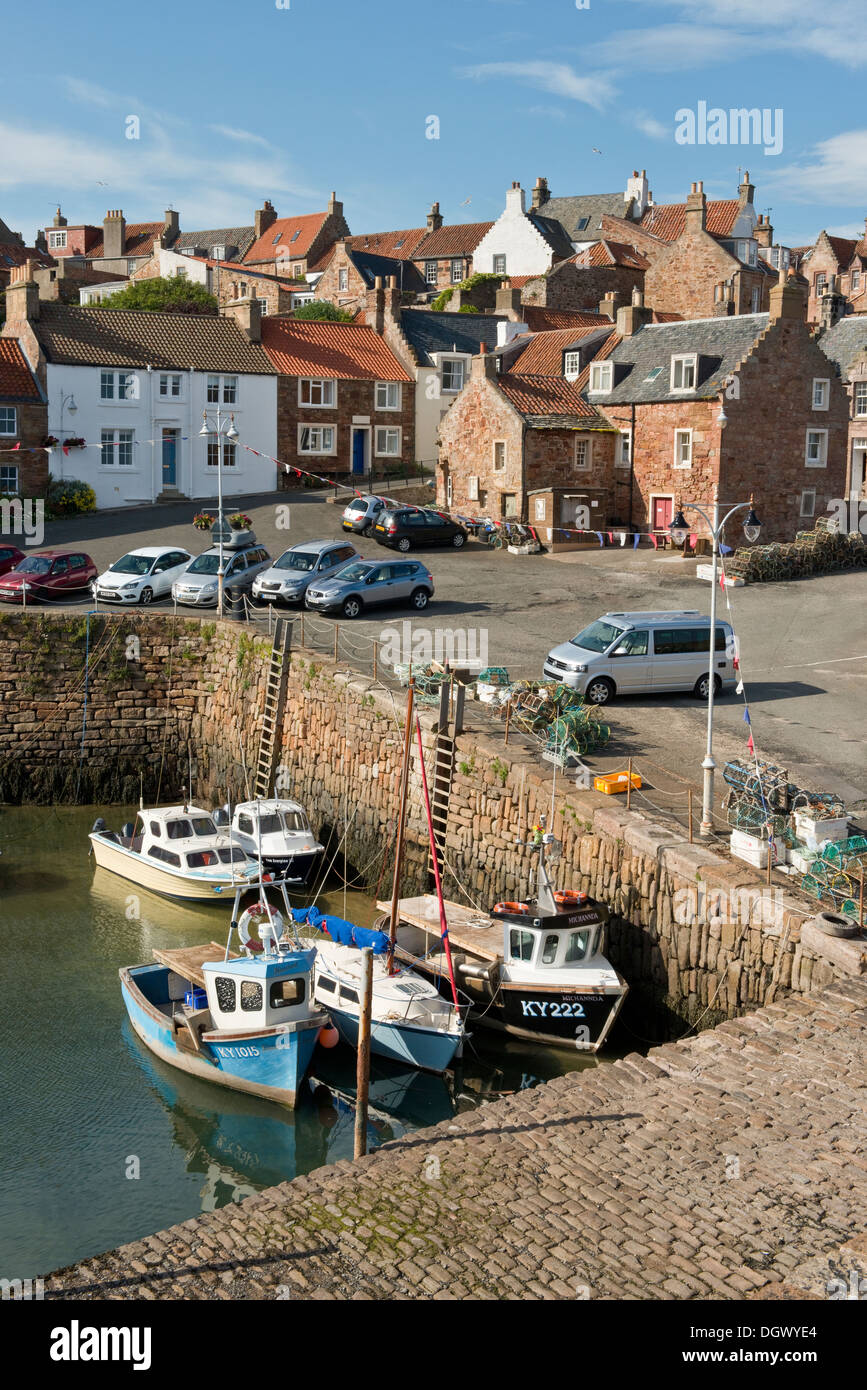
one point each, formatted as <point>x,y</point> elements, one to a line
<point>847,953</point>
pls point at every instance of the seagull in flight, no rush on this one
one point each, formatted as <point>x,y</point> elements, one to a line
<point>595,151</point>
<point>466,202</point>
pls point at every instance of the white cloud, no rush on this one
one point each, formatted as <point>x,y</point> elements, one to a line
<point>557,78</point>
<point>243,136</point>
<point>89,93</point>
<point>835,172</point>
<point>554,113</point>
<point>649,125</point>
<point>670,47</point>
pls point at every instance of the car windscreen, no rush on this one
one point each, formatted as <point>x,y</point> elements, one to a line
<point>296,560</point>
<point>205,564</point>
<point>34,564</point>
<point>354,572</point>
<point>597,637</point>
<point>133,564</point>
<point>358,505</point>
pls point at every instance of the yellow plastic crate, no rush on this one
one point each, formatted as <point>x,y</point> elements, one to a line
<point>616,782</point>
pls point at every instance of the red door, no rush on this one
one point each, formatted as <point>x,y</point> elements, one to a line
<point>662,511</point>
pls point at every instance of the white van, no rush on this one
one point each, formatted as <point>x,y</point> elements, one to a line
<point>634,653</point>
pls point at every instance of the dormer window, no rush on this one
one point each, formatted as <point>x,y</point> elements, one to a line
<point>601,376</point>
<point>683,373</point>
<point>219,253</point>
<point>56,240</point>
<point>571,365</point>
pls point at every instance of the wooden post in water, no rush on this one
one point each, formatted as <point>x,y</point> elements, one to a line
<point>362,1074</point>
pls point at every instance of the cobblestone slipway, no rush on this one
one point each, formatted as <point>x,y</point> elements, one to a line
<point>726,1166</point>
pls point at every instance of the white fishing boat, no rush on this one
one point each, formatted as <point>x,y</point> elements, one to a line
<point>277,831</point>
<point>177,851</point>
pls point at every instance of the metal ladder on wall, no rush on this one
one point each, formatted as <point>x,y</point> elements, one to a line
<point>275,702</point>
<point>447,731</point>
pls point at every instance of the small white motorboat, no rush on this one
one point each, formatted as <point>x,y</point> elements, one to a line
<point>277,832</point>
<point>177,851</point>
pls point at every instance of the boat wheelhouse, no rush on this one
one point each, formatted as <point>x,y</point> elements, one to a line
<point>279,831</point>
<point>177,851</point>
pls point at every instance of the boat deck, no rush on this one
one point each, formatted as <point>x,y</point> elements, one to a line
<point>187,961</point>
<point>469,930</point>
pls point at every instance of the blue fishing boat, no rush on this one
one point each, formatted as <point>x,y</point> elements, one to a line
<point>244,1020</point>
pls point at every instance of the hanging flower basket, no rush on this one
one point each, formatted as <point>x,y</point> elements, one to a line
<point>202,521</point>
<point>75,443</point>
<point>240,521</point>
<point>50,441</point>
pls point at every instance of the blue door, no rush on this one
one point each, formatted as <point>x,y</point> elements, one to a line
<point>170,450</point>
<point>358,451</point>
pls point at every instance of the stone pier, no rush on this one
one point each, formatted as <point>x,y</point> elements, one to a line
<point>727,1166</point>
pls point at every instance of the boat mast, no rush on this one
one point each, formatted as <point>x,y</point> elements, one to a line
<point>401,822</point>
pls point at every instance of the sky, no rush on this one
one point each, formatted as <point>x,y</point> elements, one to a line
<point>289,99</point>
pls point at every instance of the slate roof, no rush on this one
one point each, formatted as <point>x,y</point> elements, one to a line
<point>667,220</point>
<point>549,401</point>
<point>97,337</point>
<point>541,354</point>
<point>370,266</point>
<point>294,237</point>
<point>458,239</point>
<point>719,343</point>
<point>845,341</point>
<point>17,382</point>
<point>571,212</point>
<point>140,238</point>
<point>348,351</point>
<point>428,333</point>
<point>240,237</point>
<point>401,245</point>
<point>553,232</point>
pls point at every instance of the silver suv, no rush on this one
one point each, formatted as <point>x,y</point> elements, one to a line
<point>199,582</point>
<point>286,580</point>
<point>367,582</point>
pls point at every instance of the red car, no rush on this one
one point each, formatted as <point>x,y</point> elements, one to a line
<point>52,574</point>
<point>10,556</point>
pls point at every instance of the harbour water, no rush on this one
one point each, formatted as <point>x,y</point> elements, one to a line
<point>101,1143</point>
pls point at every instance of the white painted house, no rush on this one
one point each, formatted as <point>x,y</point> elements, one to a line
<point>521,242</point>
<point>140,384</point>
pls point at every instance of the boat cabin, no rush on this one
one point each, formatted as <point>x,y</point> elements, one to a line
<point>246,994</point>
<point>184,837</point>
<point>550,947</point>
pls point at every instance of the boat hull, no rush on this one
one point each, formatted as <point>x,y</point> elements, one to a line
<point>270,1064</point>
<point>297,867</point>
<point>428,1049</point>
<point>186,887</point>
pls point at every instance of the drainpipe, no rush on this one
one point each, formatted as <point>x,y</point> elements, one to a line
<point>152,435</point>
<point>631,460</point>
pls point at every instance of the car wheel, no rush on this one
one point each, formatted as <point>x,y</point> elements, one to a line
<point>700,688</point>
<point>351,606</point>
<point>420,599</point>
<point>367,530</point>
<point>458,539</point>
<point>146,595</point>
<point>403,544</point>
<point>600,691</point>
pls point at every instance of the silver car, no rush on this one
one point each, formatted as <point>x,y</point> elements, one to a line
<point>286,580</point>
<point>367,582</point>
<point>361,514</point>
<point>198,585</point>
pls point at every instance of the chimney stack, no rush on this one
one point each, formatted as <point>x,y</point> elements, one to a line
<point>515,200</point>
<point>264,218</point>
<point>508,301</point>
<point>335,208</point>
<point>59,219</point>
<point>484,365</point>
<point>22,311</point>
<point>541,193</point>
<point>787,301</point>
<point>763,231</point>
<point>633,316</point>
<point>247,314</point>
<point>746,190</point>
<point>383,304</point>
<point>696,210</point>
<point>613,300</point>
<point>113,235</point>
<point>434,219</point>
<point>832,304</point>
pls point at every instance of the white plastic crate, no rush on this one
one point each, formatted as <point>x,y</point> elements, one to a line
<point>815,833</point>
<point>754,850</point>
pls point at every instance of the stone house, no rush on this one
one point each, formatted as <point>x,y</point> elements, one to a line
<point>602,269</point>
<point>118,247</point>
<point>14,253</point>
<point>581,216</point>
<point>291,246</point>
<point>747,404</point>
<point>141,384</point>
<point>521,242</point>
<point>345,403</point>
<point>846,345</point>
<point>446,255</point>
<point>349,274</point>
<point>23,425</point>
<point>230,282</point>
<point>839,264</point>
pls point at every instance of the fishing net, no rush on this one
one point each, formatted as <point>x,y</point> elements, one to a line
<point>824,550</point>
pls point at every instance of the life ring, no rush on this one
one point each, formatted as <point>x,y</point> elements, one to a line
<point>569,899</point>
<point>257,915</point>
<point>522,908</point>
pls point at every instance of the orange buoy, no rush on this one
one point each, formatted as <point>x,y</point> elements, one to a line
<point>328,1036</point>
<point>569,899</point>
<point>522,908</point>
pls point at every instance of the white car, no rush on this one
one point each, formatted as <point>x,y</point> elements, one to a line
<point>140,576</point>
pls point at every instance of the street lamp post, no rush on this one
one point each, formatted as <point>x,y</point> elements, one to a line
<point>679,530</point>
<point>64,401</point>
<point>228,433</point>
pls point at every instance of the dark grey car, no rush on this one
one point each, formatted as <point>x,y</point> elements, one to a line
<point>368,582</point>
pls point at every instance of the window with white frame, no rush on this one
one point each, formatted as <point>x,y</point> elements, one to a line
<point>218,253</point>
<point>223,388</point>
<point>582,453</point>
<point>683,372</point>
<point>861,398</point>
<point>538,508</point>
<point>388,395</point>
<point>624,452</point>
<point>457,272</point>
<point>180,272</point>
<point>821,389</point>
<point>56,240</point>
<point>820,282</point>
<point>499,264</point>
<point>499,455</point>
<point>453,374</point>
<point>317,391</point>
<point>263,306</point>
<point>601,376</point>
<point>571,365</point>
<point>856,280</point>
<point>808,502</point>
<point>116,448</point>
<point>473,489</point>
<point>343,279</point>
<point>118,386</point>
<point>430,272</point>
<point>388,441</point>
<point>316,439</point>
<point>229,458</point>
<point>8,420</point>
<point>817,449</point>
<point>170,386</point>
<point>8,478</point>
<point>683,448</point>
<point>297,271</point>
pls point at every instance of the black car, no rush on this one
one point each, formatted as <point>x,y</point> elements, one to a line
<point>404,528</point>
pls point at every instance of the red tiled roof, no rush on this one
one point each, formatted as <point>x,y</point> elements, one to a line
<point>604,253</point>
<point>459,239</point>
<point>266,248</point>
<point>401,246</point>
<point>843,249</point>
<point>666,316</point>
<point>11,254</point>
<point>542,354</point>
<point>16,378</point>
<point>140,238</point>
<point>348,351</point>
<point>542,320</point>
<point>519,281</point>
<point>546,395</point>
<point>667,220</point>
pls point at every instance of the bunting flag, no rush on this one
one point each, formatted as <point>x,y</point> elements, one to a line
<point>739,688</point>
<point>635,539</point>
<point>654,542</point>
<point>601,539</point>
<point>622,539</point>
<point>750,744</point>
<point>747,719</point>
<point>610,537</point>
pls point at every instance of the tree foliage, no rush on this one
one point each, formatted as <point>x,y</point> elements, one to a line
<point>161,296</point>
<point>321,309</point>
